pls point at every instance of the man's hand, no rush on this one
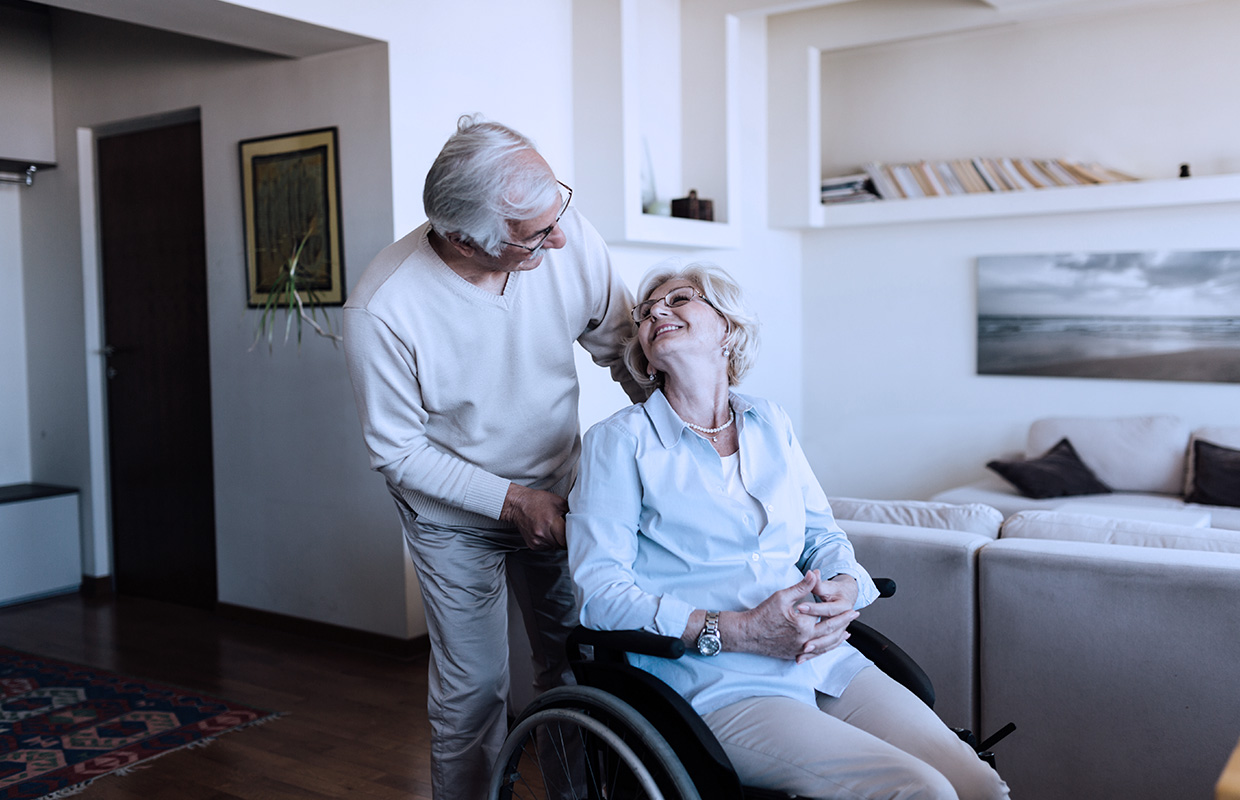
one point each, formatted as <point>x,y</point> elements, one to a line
<point>538,515</point>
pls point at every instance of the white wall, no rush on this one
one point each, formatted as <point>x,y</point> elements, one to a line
<point>302,527</point>
<point>1141,90</point>
<point>530,57</point>
<point>14,408</point>
<point>894,408</point>
<point>25,133</point>
<point>335,555</point>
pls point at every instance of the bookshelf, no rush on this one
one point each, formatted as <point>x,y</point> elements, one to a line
<point>795,174</point>
<point>1203,190</point>
<point>610,132</point>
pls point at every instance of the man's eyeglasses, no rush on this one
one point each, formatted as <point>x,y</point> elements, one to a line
<point>541,236</point>
<point>673,299</point>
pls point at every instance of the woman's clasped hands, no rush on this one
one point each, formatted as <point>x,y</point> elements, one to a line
<point>802,621</point>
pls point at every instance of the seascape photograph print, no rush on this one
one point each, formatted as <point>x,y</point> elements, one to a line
<point>1159,315</point>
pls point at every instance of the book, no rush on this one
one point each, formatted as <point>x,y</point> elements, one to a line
<point>845,181</point>
<point>906,180</point>
<point>1076,172</point>
<point>891,179</point>
<point>884,186</point>
<point>992,179</point>
<point>1008,171</point>
<point>1056,171</point>
<point>949,179</point>
<point>1031,173</point>
<point>930,182</point>
<point>1115,174</point>
<point>966,173</point>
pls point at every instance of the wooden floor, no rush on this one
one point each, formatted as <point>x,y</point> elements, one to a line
<point>355,723</point>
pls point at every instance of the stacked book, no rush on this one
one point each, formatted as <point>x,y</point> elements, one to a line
<point>857,188</point>
<point>976,176</point>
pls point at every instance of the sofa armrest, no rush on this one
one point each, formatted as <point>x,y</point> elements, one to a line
<point>933,615</point>
<point>1117,663</point>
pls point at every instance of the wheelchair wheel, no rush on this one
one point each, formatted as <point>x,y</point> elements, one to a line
<point>580,742</point>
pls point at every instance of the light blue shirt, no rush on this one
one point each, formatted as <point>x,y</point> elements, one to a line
<point>653,534</point>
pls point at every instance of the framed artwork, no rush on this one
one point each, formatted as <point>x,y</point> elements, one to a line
<point>290,187</point>
<point>1159,315</point>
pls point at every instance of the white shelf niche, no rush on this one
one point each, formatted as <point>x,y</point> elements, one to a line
<point>1201,190</point>
<point>611,80</point>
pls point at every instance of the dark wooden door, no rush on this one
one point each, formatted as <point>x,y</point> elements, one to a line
<point>153,245</point>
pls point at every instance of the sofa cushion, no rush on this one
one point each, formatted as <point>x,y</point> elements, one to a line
<point>1109,530</point>
<point>1128,454</point>
<point>1224,435</point>
<point>969,518</point>
<point>1059,472</point>
<point>1216,475</point>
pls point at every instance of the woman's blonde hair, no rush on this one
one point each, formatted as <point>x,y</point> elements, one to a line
<point>724,295</point>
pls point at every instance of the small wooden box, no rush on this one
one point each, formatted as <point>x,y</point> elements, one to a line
<point>693,208</point>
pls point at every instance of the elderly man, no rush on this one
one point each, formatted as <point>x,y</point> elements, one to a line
<point>459,340</point>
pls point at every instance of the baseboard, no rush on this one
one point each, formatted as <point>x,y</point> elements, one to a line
<point>349,637</point>
<point>97,587</point>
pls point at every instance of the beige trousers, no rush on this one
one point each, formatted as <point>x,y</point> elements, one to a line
<point>876,741</point>
<point>465,574</point>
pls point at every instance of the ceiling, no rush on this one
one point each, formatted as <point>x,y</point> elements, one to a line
<point>826,24</point>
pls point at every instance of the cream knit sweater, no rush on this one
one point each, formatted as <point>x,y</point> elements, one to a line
<point>461,391</point>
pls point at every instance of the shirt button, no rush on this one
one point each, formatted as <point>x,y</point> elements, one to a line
<point>770,507</point>
<point>755,557</point>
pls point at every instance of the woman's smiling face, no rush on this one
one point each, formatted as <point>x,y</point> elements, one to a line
<point>692,328</point>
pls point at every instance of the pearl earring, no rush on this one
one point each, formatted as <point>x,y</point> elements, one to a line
<point>726,351</point>
<point>652,375</point>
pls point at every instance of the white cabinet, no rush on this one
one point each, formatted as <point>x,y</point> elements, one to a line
<point>40,542</point>
<point>631,119</point>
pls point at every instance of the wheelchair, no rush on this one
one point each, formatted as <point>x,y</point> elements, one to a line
<point>590,741</point>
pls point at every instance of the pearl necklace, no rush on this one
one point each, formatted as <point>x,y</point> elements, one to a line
<point>711,431</point>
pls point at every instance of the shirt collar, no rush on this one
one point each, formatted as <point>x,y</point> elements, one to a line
<point>670,427</point>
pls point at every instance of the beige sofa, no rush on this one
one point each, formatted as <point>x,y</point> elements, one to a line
<point>1147,461</point>
<point>1113,644</point>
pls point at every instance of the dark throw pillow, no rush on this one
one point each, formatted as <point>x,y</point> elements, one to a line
<point>1216,475</point>
<point>1059,472</point>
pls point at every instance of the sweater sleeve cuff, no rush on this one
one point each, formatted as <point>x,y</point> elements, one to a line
<point>485,494</point>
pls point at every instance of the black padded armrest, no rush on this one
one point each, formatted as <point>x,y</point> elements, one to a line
<point>652,644</point>
<point>638,641</point>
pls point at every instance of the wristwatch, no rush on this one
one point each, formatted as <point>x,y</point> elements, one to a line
<point>709,643</point>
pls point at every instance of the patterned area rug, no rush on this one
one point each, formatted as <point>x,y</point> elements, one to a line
<point>63,725</point>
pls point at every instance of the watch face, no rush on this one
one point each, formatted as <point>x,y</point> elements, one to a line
<point>709,645</point>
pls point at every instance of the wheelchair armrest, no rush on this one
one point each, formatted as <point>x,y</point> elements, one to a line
<point>615,643</point>
<point>635,641</point>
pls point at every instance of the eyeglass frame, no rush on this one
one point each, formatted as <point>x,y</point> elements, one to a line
<point>697,295</point>
<point>546,232</point>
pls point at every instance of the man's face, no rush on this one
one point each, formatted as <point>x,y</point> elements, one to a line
<point>515,257</point>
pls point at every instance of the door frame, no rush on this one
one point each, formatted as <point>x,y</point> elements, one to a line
<point>97,539</point>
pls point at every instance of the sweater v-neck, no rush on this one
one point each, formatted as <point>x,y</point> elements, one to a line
<point>454,280</point>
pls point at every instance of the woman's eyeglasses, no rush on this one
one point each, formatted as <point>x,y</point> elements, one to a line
<point>673,299</point>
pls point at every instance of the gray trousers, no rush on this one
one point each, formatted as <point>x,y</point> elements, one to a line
<point>465,574</point>
<point>876,741</point>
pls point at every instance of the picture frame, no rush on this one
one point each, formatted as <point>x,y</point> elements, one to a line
<point>1164,315</point>
<point>290,186</point>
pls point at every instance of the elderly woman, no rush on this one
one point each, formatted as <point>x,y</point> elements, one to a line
<point>696,515</point>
